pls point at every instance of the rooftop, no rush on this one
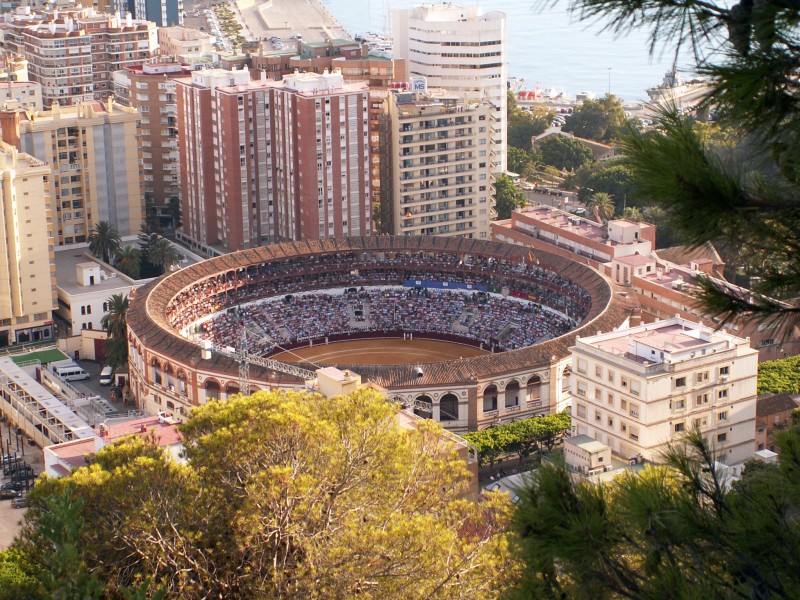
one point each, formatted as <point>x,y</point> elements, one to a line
<point>67,259</point>
<point>663,342</point>
<point>587,443</point>
<point>768,405</point>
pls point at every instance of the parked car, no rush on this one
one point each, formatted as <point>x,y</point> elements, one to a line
<point>8,494</point>
<point>23,475</point>
<point>17,470</point>
<point>14,486</point>
<point>19,502</point>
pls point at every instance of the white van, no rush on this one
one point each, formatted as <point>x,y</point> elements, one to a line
<point>106,375</point>
<point>70,372</point>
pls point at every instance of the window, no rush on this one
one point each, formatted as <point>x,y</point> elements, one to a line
<point>701,399</point>
<point>722,437</point>
<point>610,421</point>
<point>598,395</point>
<point>598,371</point>
<point>635,387</point>
<point>611,376</point>
<point>581,411</point>
<point>679,404</point>
<point>701,376</point>
<point>597,416</point>
<point>623,381</point>
<point>582,365</point>
<point>724,371</point>
<point>723,416</point>
<point>680,382</point>
<point>679,427</point>
<point>581,388</point>
<point>611,399</point>
<point>634,410</point>
<point>722,394</point>
<point>623,404</point>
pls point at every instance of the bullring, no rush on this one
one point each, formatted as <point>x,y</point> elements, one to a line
<point>168,373</point>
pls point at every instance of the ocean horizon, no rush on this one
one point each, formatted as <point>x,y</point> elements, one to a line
<point>546,48</point>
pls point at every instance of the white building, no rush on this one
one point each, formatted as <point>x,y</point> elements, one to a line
<point>462,50</point>
<point>84,286</point>
<point>440,171</point>
<point>187,46</point>
<point>638,389</point>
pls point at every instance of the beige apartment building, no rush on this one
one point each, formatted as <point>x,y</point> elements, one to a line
<point>439,176</point>
<point>637,390</point>
<point>93,153</point>
<point>27,271</point>
<point>72,52</point>
<point>185,45</point>
<point>150,88</point>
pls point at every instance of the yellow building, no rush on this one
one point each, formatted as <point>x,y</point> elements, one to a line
<point>94,153</point>
<point>27,271</point>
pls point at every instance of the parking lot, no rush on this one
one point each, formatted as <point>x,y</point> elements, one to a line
<point>10,518</point>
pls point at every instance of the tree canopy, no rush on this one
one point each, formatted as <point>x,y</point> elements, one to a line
<point>521,437</point>
<point>564,152</point>
<point>776,376</point>
<point>285,494</point>
<point>602,120</point>
<point>524,124</point>
<point>672,531</point>
<point>507,196</point>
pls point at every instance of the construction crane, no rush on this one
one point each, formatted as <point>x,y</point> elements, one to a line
<point>243,357</point>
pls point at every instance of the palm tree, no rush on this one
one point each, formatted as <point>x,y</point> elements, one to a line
<point>115,319</point>
<point>633,213</point>
<point>104,240</point>
<point>115,323</point>
<point>603,206</point>
<point>128,259</point>
<point>162,254</point>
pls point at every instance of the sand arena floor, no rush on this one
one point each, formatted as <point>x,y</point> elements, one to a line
<point>380,351</point>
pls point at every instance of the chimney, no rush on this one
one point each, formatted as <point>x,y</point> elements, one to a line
<point>9,127</point>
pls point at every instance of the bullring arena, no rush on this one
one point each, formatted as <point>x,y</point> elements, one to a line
<point>472,333</point>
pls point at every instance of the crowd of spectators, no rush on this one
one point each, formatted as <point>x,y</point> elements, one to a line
<point>297,274</point>
<point>480,318</point>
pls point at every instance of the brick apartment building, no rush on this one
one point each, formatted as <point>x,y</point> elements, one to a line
<point>265,161</point>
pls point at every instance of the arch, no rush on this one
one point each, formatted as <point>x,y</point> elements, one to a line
<point>420,411</point>
<point>212,388</point>
<point>155,365</point>
<point>448,408</point>
<point>533,389</point>
<point>231,389</point>
<point>512,393</point>
<point>565,379</point>
<point>490,398</point>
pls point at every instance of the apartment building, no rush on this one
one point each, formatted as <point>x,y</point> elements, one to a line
<point>265,161</point>
<point>184,45</point>
<point>638,389</point>
<point>72,52</point>
<point>356,64</point>
<point>164,13</point>
<point>26,94</point>
<point>92,150</point>
<point>150,88</point>
<point>463,50</point>
<point>439,178</point>
<point>27,283</point>
<point>554,230</point>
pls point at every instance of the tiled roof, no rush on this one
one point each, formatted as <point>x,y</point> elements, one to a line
<point>768,405</point>
<point>147,313</point>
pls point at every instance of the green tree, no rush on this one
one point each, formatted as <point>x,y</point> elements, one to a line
<point>128,259</point>
<point>564,152</point>
<point>507,196</point>
<point>162,254</point>
<point>633,213</point>
<point>285,494</point>
<point>115,322</point>
<point>19,577</point>
<point>104,241</point>
<point>672,531</point>
<point>612,176</point>
<point>602,206</point>
<point>174,208</point>
<point>776,376</point>
<point>740,192</point>
<point>519,160</point>
<point>524,124</point>
<point>602,120</point>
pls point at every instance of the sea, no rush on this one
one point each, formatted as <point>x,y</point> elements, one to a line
<point>547,47</point>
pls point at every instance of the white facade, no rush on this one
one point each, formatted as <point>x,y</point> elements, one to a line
<point>84,286</point>
<point>462,50</point>
<point>638,389</point>
<point>441,175</point>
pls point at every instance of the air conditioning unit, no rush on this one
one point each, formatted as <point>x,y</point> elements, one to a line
<point>723,378</point>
